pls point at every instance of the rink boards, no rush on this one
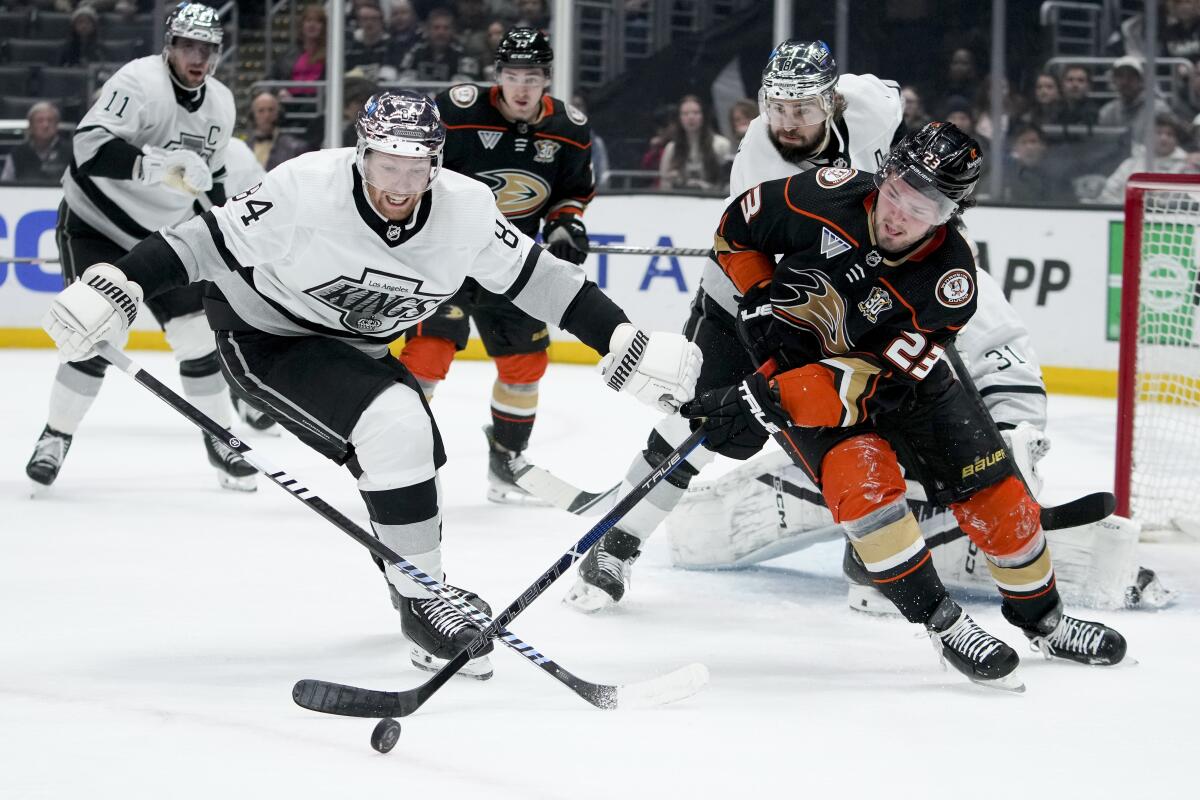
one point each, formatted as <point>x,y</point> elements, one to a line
<point>1060,269</point>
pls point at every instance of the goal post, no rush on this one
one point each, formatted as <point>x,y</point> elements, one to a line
<point>1158,386</point>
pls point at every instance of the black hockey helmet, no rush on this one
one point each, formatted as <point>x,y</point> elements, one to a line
<point>940,161</point>
<point>524,47</point>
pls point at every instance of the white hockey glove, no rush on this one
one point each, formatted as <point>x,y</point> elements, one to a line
<point>100,306</point>
<point>1028,445</point>
<point>659,368</point>
<point>180,170</point>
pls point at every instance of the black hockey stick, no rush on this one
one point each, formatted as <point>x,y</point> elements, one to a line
<point>547,486</point>
<point>334,698</point>
<point>601,695</point>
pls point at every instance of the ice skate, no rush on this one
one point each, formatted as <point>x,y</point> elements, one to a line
<point>971,650</point>
<point>257,420</point>
<point>1057,635</point>
<point>503,465</point>
<point>604,573</point>
<point>233,471</point>
<point>438,632</point>
<point>861,594</point>
<point>48,456</point>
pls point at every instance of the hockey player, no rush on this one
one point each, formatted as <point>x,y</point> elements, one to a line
<point>315,271</point>
<point>858,338</point>
<point>810,117</point>
<point>142,155</point>
<point>534,152</point>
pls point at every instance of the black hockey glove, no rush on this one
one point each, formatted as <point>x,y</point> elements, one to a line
<point>566,238</point>
<point>738,419</point>
<point>755,324</point>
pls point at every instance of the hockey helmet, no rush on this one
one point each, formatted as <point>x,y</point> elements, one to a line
<point>524,47</point>
<point>197,22</point>
<point>400,141</point>
<point>941,163</point>
<point>798,84</point>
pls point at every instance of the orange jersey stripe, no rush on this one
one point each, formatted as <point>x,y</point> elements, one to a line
<point>811,215</point>
<point>479,127</point>
<point>911,310</point>
<point>562,139</point>
<point>906,572</point>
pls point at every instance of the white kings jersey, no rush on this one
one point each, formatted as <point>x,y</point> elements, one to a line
<point>860,139</point>
<point>305,253</point>
<point>138,105</point>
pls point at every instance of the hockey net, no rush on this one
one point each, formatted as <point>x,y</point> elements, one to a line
<point>1158,392</point>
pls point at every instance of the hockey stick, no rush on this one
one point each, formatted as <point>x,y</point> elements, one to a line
<point>1071,514</point>
<point>630,250</point>
<point>334,698</point>
<point>601,695</point>
<point>15,260</point>
<point>554,490</point>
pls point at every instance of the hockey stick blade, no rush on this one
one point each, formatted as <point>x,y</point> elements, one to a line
<point>1080,511</point>
<point>351,701</point>
<point>554,490</point>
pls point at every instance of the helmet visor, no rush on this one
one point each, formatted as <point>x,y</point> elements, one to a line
<point>916,197</point>
<point>799,112</point>
<point>397,174</point>
<point>185,53</point>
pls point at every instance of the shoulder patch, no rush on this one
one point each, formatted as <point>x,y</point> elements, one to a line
<point>575,115</point>
<point>464,95</point>
<point>832,177</point>
<point>955,289</point>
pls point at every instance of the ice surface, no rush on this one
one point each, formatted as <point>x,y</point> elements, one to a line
<point>152,626</point>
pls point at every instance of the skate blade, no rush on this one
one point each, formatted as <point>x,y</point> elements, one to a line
<point>868,600</point>
<point>514,496</point>
<point>37,490</point>
<point>1009,683</point>
<point>478,668</point>
<point>247,484</point>
<point>588,599</point>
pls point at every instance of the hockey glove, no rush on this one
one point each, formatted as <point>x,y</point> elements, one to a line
<point>566,238</point>
<point>180,170</point>
<point>100,306</point>
<point>660,369</point>
<point>755,324</point>
<point>1028,446</point>
<point>738,419</point>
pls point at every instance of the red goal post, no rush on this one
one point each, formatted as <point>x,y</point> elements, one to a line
<point>1158,386</point>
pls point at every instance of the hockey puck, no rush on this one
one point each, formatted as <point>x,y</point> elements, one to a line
<point>385,735</point>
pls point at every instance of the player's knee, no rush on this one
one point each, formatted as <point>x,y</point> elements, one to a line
<point>204,366</point>
<point>393,441</point>
<point>189,337</point>
<point>522,368</point>
<point>92,367</point>
<point>861,476</point>
<point>1002,519</point>
<point>428,358</point>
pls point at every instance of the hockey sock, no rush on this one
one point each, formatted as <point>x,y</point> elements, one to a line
<point>409,521</point>
<point>75,388</point>
<point>890,545</point>
<point>514,408</point>
<point>205,388</point>
<point>646,516</point>
<point>1027,586</point>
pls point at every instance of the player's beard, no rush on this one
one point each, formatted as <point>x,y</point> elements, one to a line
<point>797,154</point>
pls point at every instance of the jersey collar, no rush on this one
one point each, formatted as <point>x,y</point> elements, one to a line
<point>393,234</point>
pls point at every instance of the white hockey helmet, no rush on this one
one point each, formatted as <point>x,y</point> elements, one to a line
<point>400,141</point>
<point>801,77</point>
<point>197,22</point>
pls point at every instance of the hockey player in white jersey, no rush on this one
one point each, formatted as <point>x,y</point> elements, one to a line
<point>811,117</point>
<point>152,144</point>
<point>317,270</point>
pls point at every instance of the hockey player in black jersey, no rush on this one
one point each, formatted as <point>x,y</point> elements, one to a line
<point>873,285</point>
<point>150,145</point>
<point>534,152</point>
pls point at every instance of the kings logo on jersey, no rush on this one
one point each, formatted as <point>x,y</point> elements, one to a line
<point>376,303</point>
<point>518,193</point>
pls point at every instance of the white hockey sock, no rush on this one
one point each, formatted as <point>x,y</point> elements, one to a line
<point>70,398</point>
<point>210,395</point>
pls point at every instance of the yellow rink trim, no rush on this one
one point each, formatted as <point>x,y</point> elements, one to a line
<point>1059,380</point>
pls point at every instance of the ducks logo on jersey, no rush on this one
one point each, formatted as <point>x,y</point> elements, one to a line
<point>811,302</point>
<point>518,193</point>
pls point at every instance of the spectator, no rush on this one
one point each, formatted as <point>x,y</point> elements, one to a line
<point>533,14</point>
<point>439,58</point>
<point>599,148</point>
<point>666,120</point>
<point>741,114</point>
<point>356,91</point>
<point>960,112</point>
<point>1026,176</point>
<point>271,147</point>
<point>1010,104</point>
<point>1128,108</point>
<point>696,157</point>
<point>495,33</point>
<point>915,116</point>
<point>1168,157</point>
<point>44,155</point>
<point>83,46</point>
<point>370,49</point>
<point>1186,102</point>
<point>1077,107</point>
<point>1046,107</point>
<point>307,62</point>
<point>1181,35</point>
<point>405,27</point>
<point>962,77</point>
<point>472,29</point>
